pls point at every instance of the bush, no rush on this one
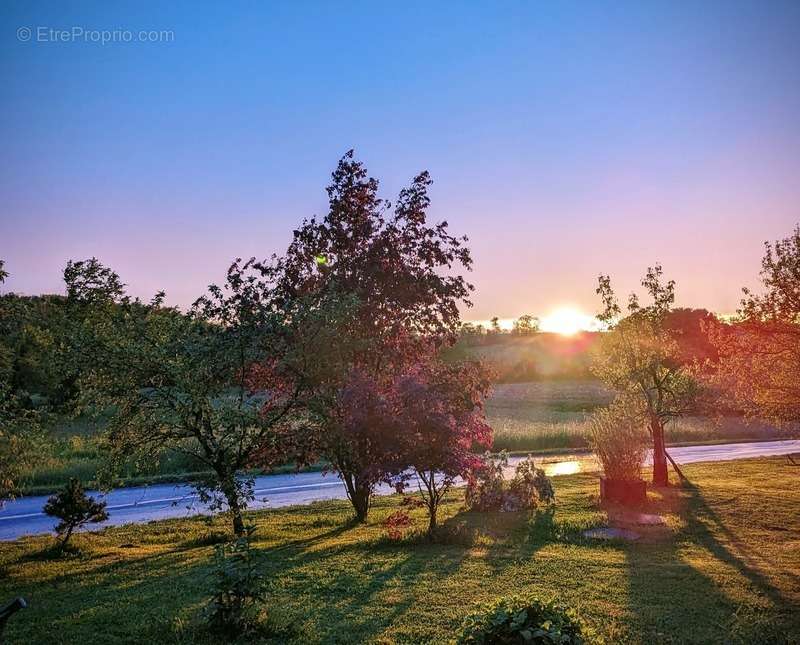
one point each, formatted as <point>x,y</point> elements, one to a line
<point>398,523</point>
<point>618,437</point>
<point>518,619</point>
<point>531,486</point>
<point>487,489</point>
<point>239,589</point>
<point>75,509</point>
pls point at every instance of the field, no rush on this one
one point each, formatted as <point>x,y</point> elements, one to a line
<point>724,569</point>
<point>550,415</point>
<point>537,416</point>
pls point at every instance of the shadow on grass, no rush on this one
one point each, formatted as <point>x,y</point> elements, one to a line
<point>676,602</point>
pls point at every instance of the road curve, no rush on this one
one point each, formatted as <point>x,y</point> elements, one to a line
<point>24,516</point>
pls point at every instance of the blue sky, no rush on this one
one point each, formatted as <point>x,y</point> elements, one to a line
<point>566,139</point>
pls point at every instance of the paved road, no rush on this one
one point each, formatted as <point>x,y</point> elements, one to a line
<point>142,504</point>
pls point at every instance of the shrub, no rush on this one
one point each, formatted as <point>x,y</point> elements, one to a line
<point>618,437</point>
<point>75,509</point>
<point>399,522</point>
<point>530,485</point>
<point>487,489</point>
<point>239,588</point>
<point>518,619</point>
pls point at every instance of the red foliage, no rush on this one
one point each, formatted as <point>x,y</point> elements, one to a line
<point>442,413</point>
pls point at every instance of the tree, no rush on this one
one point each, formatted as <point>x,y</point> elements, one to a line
<point>390,276</point>
<point>20,423</point>
<point>210,384</point>
<point>689,328</point>
<point>363,438</point>
<point>20,442</point>
<point>637,358</point>
<point>525,325</point>
<point>442,409</point>
<point>75,509</point>
<point>759,351</point>
<point>494,326</point>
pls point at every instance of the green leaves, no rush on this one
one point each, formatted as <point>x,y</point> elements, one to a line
<point>517,619</point>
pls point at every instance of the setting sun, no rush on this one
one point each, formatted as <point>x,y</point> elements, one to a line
<point>567,321</point>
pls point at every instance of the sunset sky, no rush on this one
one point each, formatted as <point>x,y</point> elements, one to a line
<point>565,139</point>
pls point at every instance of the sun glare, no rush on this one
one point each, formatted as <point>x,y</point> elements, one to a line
<point>567,321</point>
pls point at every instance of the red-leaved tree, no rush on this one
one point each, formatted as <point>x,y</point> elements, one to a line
<point>390,284</point>
<point>442,411</point>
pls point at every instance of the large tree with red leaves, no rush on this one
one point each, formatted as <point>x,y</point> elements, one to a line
<point>393,277</point>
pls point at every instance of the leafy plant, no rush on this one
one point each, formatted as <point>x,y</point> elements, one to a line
<point>619,439</point>
<point>530,485</point>
<point>488,490</point>
<point>517,619</point>
<point>75,509</point>
<point>239,588</point>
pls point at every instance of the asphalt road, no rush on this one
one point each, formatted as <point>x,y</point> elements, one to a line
<point>24,516</point>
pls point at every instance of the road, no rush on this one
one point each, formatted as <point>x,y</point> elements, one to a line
<point>24,516</point>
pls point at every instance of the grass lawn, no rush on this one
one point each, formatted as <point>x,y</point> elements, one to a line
<point>726,568</point>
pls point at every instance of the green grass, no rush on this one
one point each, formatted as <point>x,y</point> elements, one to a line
<point>724,569</point>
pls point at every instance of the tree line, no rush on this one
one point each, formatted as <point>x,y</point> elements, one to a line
<point>333,349</point>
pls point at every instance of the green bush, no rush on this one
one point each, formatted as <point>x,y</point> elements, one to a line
<point>516,619</point>
<point>239,589</point>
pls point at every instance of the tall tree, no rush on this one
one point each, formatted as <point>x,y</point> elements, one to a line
<point>209,384</point>
<point>396,274</point>
<point>759,366</point>
<point>638,357</point>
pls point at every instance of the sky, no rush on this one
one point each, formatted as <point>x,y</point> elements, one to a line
<point>566,139</point>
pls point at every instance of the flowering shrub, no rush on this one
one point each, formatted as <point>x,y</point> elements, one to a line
<point>487,489</point>
<point>518,619</point>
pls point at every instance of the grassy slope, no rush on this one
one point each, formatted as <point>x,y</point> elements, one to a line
<point>725,569</point>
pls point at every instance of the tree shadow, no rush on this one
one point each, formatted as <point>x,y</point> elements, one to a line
<point>702,522</point>
<point>675,602</point>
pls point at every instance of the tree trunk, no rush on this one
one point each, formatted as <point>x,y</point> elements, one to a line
<point>432,510</point>
<point>234,505</point>
<point>660,476</point>
<point>359,493</point>
<point>66,537</point>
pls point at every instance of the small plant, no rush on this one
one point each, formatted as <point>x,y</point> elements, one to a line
<point>239,588</point>
<point>518,619</point>
<point>531,486</point>
<point>398,523</point>
<point>619,439</point>
<point>75,509</point>
<point>487,489</point>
